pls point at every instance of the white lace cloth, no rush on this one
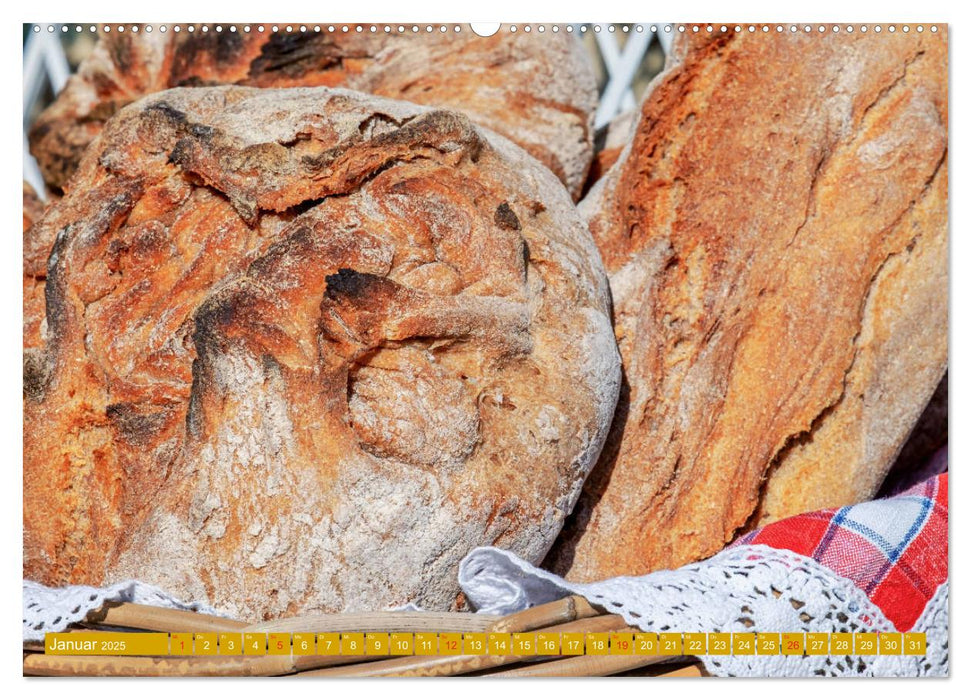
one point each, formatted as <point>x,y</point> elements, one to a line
<point>53,609</point>
<point>741,589</point>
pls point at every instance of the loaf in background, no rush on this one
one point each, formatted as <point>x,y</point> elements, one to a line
<point>537,90</point>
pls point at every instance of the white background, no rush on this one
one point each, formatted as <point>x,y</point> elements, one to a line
<point>435,11</point>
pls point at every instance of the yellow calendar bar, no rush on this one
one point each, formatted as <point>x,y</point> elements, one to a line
<point>622,643</point>
<point>646,644</point>
<point>254,644</point>
<point>426,644</point>
<point>376,643</point>
<point>719,643</point>
<point>500,644</point>
<point>352,644</point>
<point>841,644</point>
<point>547,644</point>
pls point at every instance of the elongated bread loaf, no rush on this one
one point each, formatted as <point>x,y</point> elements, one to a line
<point>776,240</point>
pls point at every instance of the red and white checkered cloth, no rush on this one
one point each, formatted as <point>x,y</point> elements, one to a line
<point>894,549</point>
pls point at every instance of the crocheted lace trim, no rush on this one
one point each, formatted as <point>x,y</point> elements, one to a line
<point>53,609</point>
<point>742,589</point>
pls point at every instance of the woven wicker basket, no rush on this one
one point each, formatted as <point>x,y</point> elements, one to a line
<point>573,614</point>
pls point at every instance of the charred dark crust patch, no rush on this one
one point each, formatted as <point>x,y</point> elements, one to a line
<point>355,308</point>
<point>202,132</point>
<point>135,425</point>
<point>175,116</point>
<point>121,54</point>
<point>193,415</point>
<point>217,315</point>
<point>178,120</point>
<point>36,373</point>
<point>220,47</point>
<point>194,81</point>
<point>506,218</point>
<point>352,285</point>
<point>228,45</point>
<point>295,55</point>
<point>54,290</point>
<point>181,152</point>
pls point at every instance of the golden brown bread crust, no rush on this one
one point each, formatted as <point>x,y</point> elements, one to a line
<point>538,91</point>
<point>776,239</point>
<point>307,347</point>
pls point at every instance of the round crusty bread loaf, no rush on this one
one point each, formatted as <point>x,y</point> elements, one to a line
<point>306,348</point>
<point>537,90</point>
